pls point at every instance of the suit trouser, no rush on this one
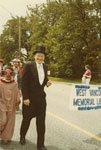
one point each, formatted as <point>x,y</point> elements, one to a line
<point>40,126</point>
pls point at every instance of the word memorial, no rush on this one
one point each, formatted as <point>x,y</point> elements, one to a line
<point>85,97</point>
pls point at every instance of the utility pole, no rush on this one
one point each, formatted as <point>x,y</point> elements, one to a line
<point>19,38</point>
<point>99,56</point>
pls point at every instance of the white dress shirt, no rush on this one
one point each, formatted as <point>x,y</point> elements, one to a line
<point>41,73</point>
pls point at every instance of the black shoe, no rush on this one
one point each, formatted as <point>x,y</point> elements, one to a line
<point>42,148</point>
<point>22,141</point>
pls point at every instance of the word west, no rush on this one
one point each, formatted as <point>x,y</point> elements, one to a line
<point>86,98</point>
<point>82,92</point>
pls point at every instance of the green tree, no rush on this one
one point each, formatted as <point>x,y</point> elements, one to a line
<point>69,29</point>
<point>10,38</point>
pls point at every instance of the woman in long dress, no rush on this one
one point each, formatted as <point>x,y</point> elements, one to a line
<point>87,75</point>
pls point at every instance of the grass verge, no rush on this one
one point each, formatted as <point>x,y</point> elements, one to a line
<point>70,80</point>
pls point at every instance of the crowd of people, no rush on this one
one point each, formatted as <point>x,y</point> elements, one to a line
<point>28,82</point>
<point>16,65</point>
<point>33,79</point>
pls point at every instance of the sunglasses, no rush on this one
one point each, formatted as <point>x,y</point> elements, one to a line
<point>10,73</point>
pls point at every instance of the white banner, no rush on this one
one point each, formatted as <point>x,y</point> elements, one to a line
<point>85,97</point>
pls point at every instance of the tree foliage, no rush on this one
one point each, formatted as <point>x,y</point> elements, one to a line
<point>69,29</point>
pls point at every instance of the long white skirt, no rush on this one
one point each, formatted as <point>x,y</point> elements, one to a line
<point>85,80</point>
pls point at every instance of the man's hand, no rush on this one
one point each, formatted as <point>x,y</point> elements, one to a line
<point>27,102</point>
<point>48,83</point>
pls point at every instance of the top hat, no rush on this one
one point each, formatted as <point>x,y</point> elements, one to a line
<point>39,49</point>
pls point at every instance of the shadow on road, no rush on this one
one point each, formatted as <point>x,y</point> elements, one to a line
<point>93,141</point>
<point>51,147</point>
<point>72,149</point>
<point>15,145</point>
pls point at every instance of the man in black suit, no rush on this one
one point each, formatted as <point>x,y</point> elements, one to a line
<point>34,79</point>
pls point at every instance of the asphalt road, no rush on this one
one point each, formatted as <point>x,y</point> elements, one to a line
<point>65,129</point>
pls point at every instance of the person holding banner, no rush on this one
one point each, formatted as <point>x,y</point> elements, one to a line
<point>87,75</point>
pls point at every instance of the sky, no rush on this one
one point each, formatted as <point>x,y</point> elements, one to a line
<point>15,8</point>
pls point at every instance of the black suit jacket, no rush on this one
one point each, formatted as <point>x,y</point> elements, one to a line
<point>32,90</point>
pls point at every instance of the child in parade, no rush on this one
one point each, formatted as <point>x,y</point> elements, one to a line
<point>9,101</point>
<point>87,75</point>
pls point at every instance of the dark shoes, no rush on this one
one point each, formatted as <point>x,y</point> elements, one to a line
<point>22,141</point>
<point>42,148</point>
